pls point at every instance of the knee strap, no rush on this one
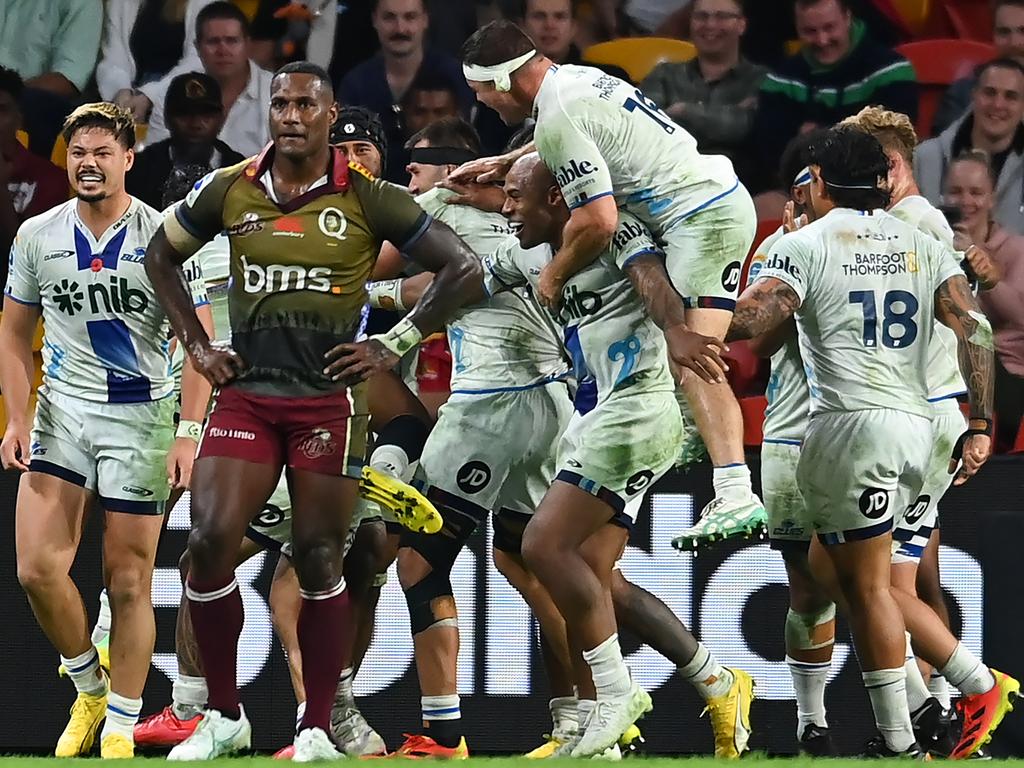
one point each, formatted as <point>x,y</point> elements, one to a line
<point>802,633</point>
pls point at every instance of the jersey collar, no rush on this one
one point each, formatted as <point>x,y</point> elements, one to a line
<point>337,177</point>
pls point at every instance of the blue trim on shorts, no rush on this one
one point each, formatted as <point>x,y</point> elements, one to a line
<point>781,441</point>
<point>710,302</point>
<point>263,540</point>
<point>905,535</point>
<point>589,200</point>
<point>14,298</point>
<point>609,497</point>
<point>790,546</point>
<point>459,504</point>
<point>49,468</point>
<point>523,388</point>
<point>702,206</point>
<point>131,506</point>
<point>857,534</point>
<point>910,550</point>
<point>946,397</point>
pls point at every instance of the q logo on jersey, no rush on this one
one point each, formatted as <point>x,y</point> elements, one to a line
<point>874,503</point>
<point>333,223</point>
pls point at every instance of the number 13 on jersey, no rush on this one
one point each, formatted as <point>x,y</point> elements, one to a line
<point>899,329</point>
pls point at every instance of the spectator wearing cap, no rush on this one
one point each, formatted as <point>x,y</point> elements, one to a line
<point>29,184</point>
<point>381,82</point>
<point>360,134</point>
<point>993,126</point>
<point>222,40</point>
<point>53,46</point>
<point>195,115</point>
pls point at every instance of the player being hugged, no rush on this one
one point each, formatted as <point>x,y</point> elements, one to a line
<point>104,421</point>
<point>304,227</point>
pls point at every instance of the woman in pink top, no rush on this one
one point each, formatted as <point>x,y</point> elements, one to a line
<point>970,187</point>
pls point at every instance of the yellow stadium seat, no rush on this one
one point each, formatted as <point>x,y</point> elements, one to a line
<point>639,55</point>
<point>23,138</point>
<point>914,12</point>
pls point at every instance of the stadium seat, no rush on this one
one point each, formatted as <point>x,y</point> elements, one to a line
<point>753,420</point>
<point>914,13</point>
<point>970,19</point>
<point>639,55</point>
<point>938,63</point>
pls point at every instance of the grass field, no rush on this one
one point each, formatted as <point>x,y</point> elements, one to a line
<point>8,761</point>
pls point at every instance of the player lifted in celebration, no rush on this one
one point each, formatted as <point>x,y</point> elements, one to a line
<point>103,424</point>
<point>867,445</point>
<point>301,203</point>
<point>610,147</point>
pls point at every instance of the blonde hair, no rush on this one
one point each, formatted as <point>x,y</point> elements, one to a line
<point>894,130</point>
<point>103,115</point>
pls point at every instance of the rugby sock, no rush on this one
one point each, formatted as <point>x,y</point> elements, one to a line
<point>584,709</point>
<point>122,715</point>
<point>611,675</point>
<point>809,680</point>
<point>188,696</point>
<point>326,630</point>
<point>939,688</point>
<point>887,689</point>
<point>442,719</point>
<point>343,695</point>
<point>215,608</point>
<point>300,712</point>
<point>732,481</point>
<point>399,443</point>
<point>85,673</point>
<point>102,629</point>
<point>967,673</point>
<point>705,674</point>
<point>917,691</point>
<point>564,715</point>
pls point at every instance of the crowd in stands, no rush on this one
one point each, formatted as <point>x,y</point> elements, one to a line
<point>197,76</point>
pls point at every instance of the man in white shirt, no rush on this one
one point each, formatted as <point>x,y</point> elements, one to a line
<point>222,41</point>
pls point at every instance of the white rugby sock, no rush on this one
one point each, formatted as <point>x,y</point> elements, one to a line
<point>611,675</point>
<point>939,688</point>
<point>967,672</point>
<point>809,681</point>
<point>887,690</point>
<point>584,708</point>
<point>564,715</point>
<point>85,672</point>
<point>122,715</point>
<point>705,674</point>
<point>732,481</point>
<point>102,629</point>
<point>391,460</point>
<point>188,696</point>
<point>917,692</point>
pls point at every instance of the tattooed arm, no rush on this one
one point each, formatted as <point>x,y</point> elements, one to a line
<point>764,306</point>
<point>957,308</point>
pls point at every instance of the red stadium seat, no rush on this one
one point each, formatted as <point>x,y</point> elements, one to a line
<point>753,420</point>
<point>938,63</point>
<point>971,19</point>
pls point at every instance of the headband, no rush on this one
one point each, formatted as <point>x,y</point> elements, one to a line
<point>499,74</point>
<point>804,177</point>
<point>441,155</point>
<point>850,186</point>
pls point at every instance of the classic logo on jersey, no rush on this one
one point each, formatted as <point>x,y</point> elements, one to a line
<point>318,445</point>
<point>332,223</point>
<point>731,276</point>
<point>874,503</point>
<point>270,516</point>
<point>55,255</point>
<point>639,481</point>
<point>899,263</point>
<point>916,510</point>
<point>249,224</point>
<point>283,277</point>
<point>574,171</point>
<point>473,477</point>
<point>779,264</point>
<point>577,304</point>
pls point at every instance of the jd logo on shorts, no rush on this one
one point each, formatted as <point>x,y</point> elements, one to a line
<point>731,276</point>
<point>473,477</point>
<point>269,517</point>
<point>874,502</point>
<point>639,481</point>
<point>916,510</point>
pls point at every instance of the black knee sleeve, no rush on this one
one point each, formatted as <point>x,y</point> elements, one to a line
<point>421,597</point>
<point>406,432</point>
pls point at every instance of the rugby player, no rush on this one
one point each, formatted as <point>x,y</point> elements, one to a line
<point>104,422</point>
<point>277,404</point>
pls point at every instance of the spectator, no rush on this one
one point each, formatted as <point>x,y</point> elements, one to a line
<point>552,25</point>
<point>714,96</point>
<point>429,99</point>
<point>1008,36</point>
<point>222,40</point>
<point>195,115</point>
<point>992,126</point>
<point>29,184</point>
<point>970,186</point>
<point>839,71</point>
<point>380,83</point>
<point>143,40</point>
<point>53,46</point>
<point>293,30</point>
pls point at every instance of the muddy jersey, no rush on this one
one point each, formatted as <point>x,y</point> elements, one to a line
<point>298,270</point>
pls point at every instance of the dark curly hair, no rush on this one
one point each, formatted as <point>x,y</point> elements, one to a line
<point>854,168</point>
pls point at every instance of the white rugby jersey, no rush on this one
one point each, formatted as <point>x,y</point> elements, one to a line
<point>612,342</point>
<point>944,378</point>
<point>106,336</point>
<point>601,136</point>
<point>789,401</point>
<point>866,283</point>
<point>506,342</point>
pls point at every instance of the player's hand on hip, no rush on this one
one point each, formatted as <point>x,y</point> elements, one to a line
<point>217,362</point>
<point>352,363</point>
<point>484,170</point>
<point>699,353</point>
<point>15,449</point>
<point>549,287</point>
<point>975,452</point>
<point>180,459</point>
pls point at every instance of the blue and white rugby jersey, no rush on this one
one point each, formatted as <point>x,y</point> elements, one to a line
<point>105,335</point>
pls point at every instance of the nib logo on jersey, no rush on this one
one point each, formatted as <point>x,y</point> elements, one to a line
<point>283,277</point>
<point>115,297</point>
<point>577,304</point>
